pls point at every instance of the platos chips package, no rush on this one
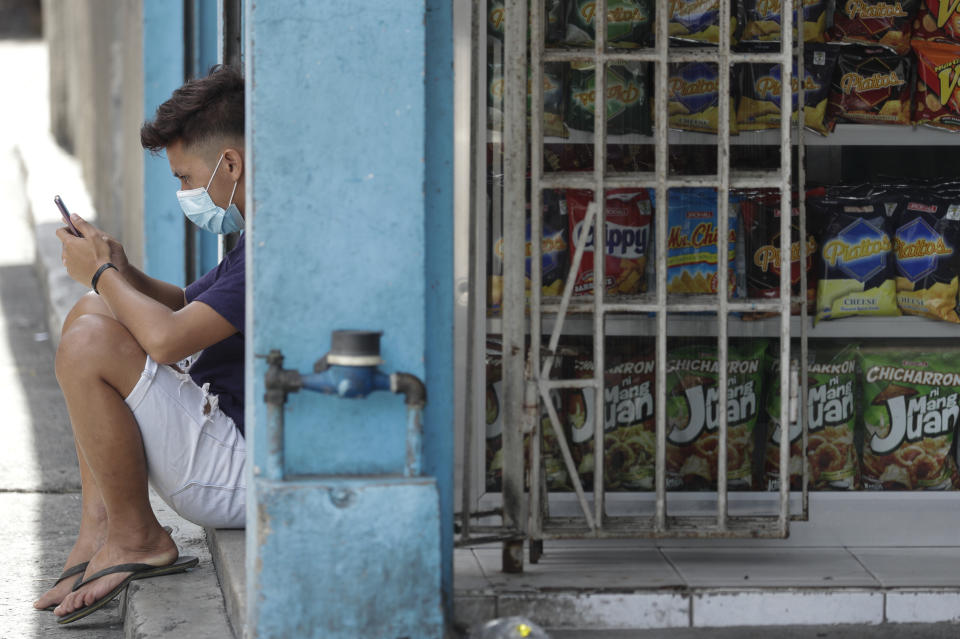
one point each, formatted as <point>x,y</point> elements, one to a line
<point>629,216</point>
<point>910,411</point>
<point>629,23</point>
<point>693,405</point>
<point>887,23</point>
<point>628,98</point>
<point>937,100</point>
<point>554,100</point>
<point>926,249</point>
<point>763,20</point>
<point>693,100</point>
<point>698,21</point>
<point>831,419</point>
<point>761,91</point>
<point>856,272</point>
<point>556,21</point>
<point>871,86</point>
<point>692,241</point>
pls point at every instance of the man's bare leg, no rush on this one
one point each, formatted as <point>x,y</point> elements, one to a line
<point>98,364</point>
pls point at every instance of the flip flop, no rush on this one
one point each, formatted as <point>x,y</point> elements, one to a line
<point>79,569</point>
<point>140,571</point>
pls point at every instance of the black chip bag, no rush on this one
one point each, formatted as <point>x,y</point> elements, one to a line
<point>761,91</point>
<point>628,98</point>
<point>763,20</point>
<point>856,271</point>
<point>887,23</point>
<point>630,23</point>
<point>872,86</point>
<point>693,98</point>
<point>926,248</point>
<point>697,21</point>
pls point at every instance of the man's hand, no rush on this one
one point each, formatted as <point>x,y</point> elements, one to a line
<point>82,256</point>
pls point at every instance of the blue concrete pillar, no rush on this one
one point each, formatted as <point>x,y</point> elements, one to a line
<point>349,223</point>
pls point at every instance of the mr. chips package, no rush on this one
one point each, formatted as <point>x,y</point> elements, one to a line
<point>629,23</point>
<point>937,20</point>
<point>697,21</point>
<point>937,101</point>
<point>628,98</point>
<point>694,400</point>
<point>627,239</point>
<point>831,419</point>
<point>629,439</point>
<point>871,86</point>
<point>763,20</point>
<point>693,98</point>
<point>692,242</point>
<point>910,411</point>
<point>887,23</point>
<point>856,269</point>
<point>761,91</point>
<point>926,239</point>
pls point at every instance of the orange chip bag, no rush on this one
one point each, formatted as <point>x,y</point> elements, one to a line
<point>886,23</point>
<point>937,20</point>
<point>937,100</point>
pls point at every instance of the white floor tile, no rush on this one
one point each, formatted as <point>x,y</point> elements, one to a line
<point>785,607</point>
<point>922,607</point>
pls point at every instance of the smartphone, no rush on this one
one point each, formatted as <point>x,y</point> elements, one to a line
<point>66,215</point>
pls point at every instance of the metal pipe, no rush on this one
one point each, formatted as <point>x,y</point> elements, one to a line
<point>599,252</point>
<point>414,440</point>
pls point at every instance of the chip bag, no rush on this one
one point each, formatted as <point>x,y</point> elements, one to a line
<point>763,20</point>
<point>629,440</point>
<point>698,21</point>
<point>554,102</point>
<point>761,91</point>
<point>629,217</point>
<point>555,27</point>
<point>693,98</point>
<point>871,86</point>
<point>693,404</point>
<point>692,241</point>
<point>910,413</point>
<point>831,419</point>
<point>937,100</point>
<point>629,23</point>
<point>628,98</point>
<point>926,249</point>
<point>937,20</point>
<point>887,23</point>
<point>856,268</point>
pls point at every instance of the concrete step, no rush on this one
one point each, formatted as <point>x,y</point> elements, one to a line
<point>229,551</point>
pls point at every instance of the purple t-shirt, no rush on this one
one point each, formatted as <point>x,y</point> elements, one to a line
<point>221,365</point>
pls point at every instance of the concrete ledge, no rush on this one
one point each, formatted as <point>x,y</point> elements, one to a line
<point>229,551</point>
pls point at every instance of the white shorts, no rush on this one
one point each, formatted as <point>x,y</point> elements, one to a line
<point>195,453</point>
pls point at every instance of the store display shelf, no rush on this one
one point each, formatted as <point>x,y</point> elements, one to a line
<point>845,135</point>
<point>706,326</point>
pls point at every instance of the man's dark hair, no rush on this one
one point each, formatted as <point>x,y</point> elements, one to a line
<point>201,110</point>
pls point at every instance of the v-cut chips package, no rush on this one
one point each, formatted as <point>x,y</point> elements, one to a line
<point>692,241</point>
<point>910,414</point>
<point>856,268</point>
<point>871,86</point>
<point>886,23</point>
<point>831,421</point>
<point>926,249</point>
<point>693,404</point>
<point>763,20</point>
<point>937,99</point>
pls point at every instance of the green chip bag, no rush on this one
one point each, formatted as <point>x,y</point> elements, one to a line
<point>630,23</point>
<point>910,414</point>
<point>831,420</point>
<point>628,98</point>
<point>693,401</point>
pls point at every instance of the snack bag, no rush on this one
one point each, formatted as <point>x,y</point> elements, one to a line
<point>831,419</point>
<point>761,91</point>
<point>698,21</point>
<point>937,20</point>
<point>910,412</point>
<point>761,233</point>
<point>554,102</point>
<point>693,402</point>
<point>937,100</point>
<point>886,23</point>
<point>763,20</point>
<point>628,98</point>
<point>629,440</point>
<point>871,86</point>
<point>692,241</point>
<point>693,98</point>
<point>556,22</point>
<point>629,23</point>
<point>926,249</point>
<point>629,218</point>
<point>856,268</point>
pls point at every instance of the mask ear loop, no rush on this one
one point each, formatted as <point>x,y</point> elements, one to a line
<point>231,194</point>
<point>215,169</point>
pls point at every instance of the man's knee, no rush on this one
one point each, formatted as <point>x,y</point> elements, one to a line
<point>91,341</point>
<point>88,304</point>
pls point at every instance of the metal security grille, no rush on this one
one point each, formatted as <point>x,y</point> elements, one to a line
<point>527,359</point>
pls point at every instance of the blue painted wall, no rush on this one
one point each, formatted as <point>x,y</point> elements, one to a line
<point>163,65</point>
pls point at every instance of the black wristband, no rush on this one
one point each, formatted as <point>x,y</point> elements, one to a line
<point>96,276</point>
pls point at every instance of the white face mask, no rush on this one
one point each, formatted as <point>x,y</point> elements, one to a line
<point>200,209</point>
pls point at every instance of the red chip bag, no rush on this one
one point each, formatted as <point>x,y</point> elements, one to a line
<point>886,23</point>
<point>937,20</point>
<point>937,100</point>
<point>627,239</point>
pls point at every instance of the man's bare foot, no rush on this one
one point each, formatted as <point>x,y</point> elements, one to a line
<point>84,548</point>
<point>157,549</point>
